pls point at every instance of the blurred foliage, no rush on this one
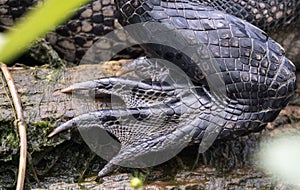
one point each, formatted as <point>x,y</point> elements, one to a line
<point>37,23</point>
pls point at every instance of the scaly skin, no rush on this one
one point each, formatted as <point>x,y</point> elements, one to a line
<point>97,18</point>
<point>258,82</point>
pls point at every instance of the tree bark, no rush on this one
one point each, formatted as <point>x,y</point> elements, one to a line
<point>39,90</point>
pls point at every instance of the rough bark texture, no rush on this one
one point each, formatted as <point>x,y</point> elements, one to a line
<point>39,90</point>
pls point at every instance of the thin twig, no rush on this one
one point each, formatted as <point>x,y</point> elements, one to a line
<point>21,126</point>
<point>33,170</point>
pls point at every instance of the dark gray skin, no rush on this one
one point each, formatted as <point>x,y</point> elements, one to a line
<point>259,81</point>
<point>72,39</point>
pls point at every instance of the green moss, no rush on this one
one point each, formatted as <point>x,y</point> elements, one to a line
<point>12,140</point>
<point>38,136</point>
<point>9,141</point>
<point>37,139</point>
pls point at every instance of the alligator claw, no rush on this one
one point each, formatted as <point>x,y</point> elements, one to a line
<point>144,140</point>
<point>65,126</point>
<point>80,86</point>
<point>131,90</point>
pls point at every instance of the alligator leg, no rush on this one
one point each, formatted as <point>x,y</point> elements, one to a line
<point>161,115</point>
<point>148,136</point>
<point>148,124</point>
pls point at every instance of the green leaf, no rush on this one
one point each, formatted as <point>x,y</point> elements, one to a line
<point>36,24</point>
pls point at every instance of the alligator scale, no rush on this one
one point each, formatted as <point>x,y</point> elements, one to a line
<point>258,80</point>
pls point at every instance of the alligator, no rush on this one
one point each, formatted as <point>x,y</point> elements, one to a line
<point>230,79</point>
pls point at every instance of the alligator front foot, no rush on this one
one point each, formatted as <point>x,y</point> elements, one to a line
<point>154,125</point>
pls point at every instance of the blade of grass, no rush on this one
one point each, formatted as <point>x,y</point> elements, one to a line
<point>36,23</point>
